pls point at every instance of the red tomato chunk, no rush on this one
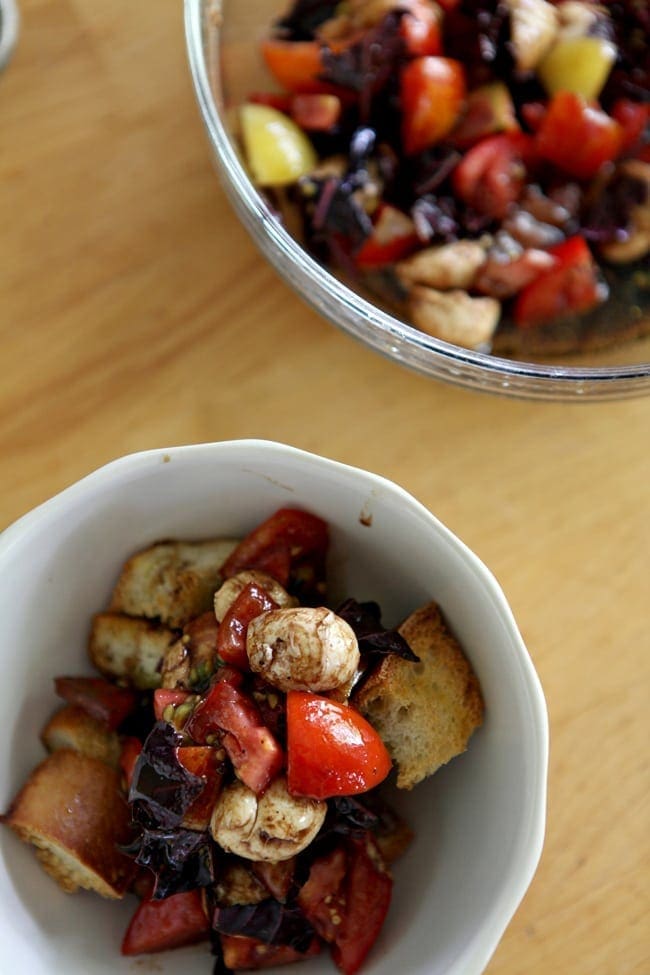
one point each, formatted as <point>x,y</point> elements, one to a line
<point>252,601</point>
<point>251,747</point>
<point>571,286</point>
<point>170,923</point>
<point>331,749</point>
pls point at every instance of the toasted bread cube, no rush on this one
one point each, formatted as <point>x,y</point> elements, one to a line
<point>171,581</point>
<point>73,728</point>
<point>425,712</point>
<point>129,649</point>
<point>72,810</point>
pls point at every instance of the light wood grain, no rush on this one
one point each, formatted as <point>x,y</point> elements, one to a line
<point>135,312</point>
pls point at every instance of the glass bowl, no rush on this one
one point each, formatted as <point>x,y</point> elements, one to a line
<point>223,39</point>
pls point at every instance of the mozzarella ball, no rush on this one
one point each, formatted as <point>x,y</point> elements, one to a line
<point>227,593</point>
<point>273,827</point>
<point>303,649</point>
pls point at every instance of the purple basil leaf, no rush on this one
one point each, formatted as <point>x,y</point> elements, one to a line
<point>368,66</point>
<point>372,636</point>
<point>351,815</point>
<point>162,790</point>
<point>609,216</point>
<point>180,859</point>
<point>269,921</point>
<point>304,17</point>
<point>630,76</point>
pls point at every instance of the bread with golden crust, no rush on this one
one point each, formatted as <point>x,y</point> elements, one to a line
<point>73,811</point>
<point>128,649</point>
<point>171,581</point>
<point>425,712</point>
<point>72,727</point>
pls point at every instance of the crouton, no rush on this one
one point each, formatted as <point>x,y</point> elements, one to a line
<point>425,712</point>
<point>171,581</point>
<point>129,649</point>
<point>73,728</point>
<point>454,316</point>
<point>443,267</point>
<point>72,810</point>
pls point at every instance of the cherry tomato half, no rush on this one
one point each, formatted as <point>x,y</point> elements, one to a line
<point>578,136</point>
<point>252,601</point>
<point>571,286</point>
<point>289,540</point>
<point>432,93</point>
<point>491,175</point>
<point>331,749</point>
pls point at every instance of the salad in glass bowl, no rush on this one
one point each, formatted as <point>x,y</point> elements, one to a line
<point>481,166</point>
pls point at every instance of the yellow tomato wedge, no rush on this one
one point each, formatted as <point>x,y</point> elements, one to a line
<point>577,64</point>
<point>277,151</point>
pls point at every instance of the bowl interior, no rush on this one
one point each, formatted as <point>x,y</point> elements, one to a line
<point>478,822</point>
<point>223,45</point>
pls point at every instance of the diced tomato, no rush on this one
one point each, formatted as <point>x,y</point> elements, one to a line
<point>393,237</point>
<point>288,538</point>
<point>420,28</point>
<point>316,112</point>
<point>331,749</point>
<point>634,119</point>
<point>432,94</point>
<point>131,748</point>
<point>248,954</point>
<point>368,893</point>
<point>569,288</point>
<point>252,601</point>
<point>201,760</point>
<point>295,65</point>
<point>164,696</point>
<point>99,698</point>
<point>492,174</point>
<point>251,747</point>
<point>176,921</point>
<point>577,135</point>
<point>322,897</point>
<point>273,99</point>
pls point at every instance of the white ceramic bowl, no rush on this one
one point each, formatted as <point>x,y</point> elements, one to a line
<point>479,822</point>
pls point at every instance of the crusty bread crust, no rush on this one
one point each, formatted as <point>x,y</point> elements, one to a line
<point>425,712</point>
<point>129,649</point>
<point>72,810</point>
<point>71,727</point>
<point>171,581</point>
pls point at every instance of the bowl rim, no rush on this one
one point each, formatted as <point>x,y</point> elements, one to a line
<point>356,315</point>
<point>9,26</point>
<point>529,842</point>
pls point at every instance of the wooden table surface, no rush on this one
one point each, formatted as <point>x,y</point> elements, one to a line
<point>135,312</point>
